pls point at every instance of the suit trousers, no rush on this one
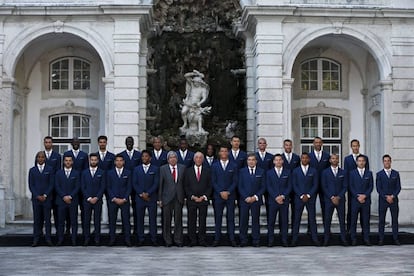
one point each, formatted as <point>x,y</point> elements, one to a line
<point>97,215</point>
<point>219,205</point>
<point>113,215</point>
<point>329,209</point>
<point>311,208</point>
<point>364,209</point>
<point>151,206</point>
<point>73,213</point>
<point>254,209</point>
<point>41,213</point>
<point>173,208</point>
<point>383,205</point>
<point>283,210</point>
<point>193,209</point>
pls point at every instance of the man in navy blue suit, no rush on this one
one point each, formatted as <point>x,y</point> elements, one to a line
<point>334,185</point>
<point>236,154</point>
<point>349,165</point>
<point>388,187</point>
<point>41,182</point>
<point>361,184</point>
<point>290,161</point>
<point>224,181</point>
<point>279,186</point>
<point>251,185</point>
<point>132,159</point>
<point>264,158</point>
<point>185,156</point>
<point>93,184</point>
<point>119,185</point>
<point>158,154</point>
<point>80,163</point>
<point>106,158</point>
<point>145,181</point>
<point>67,185</point>
<point>305,185</point>
<point>53,159</point>
<point>210,156</point>
<point>197,186</point>
<point>319,160</point>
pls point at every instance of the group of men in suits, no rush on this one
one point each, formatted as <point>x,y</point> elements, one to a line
<point>233,178</point>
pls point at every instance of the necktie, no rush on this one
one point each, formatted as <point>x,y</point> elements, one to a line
<point>119,173</point>
<point>174,174</point>
<point>40,169</point>
<point>145,169</point>
<point>47,155</point>
<point>93,173</point>
<point>67,174</point>
<point>75,154</point>
<point>305,171</point>
<point>263,155</point>
<point>388,173</point>
<point>183,154</point>
<point>210,160</point>
<point>288,157</point>
<point>335,171</point>
<point>157,154</point>
<point>361,173</point>
<point>224,165</point>
<point>278,172</point>
<point>130,154</point>
<point>318,155</point>
<point>198,174</point>
<point>102,156</point>
<point>251,171</point>
<point>235,154</point>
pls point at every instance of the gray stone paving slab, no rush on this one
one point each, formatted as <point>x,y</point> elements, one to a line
<point>335,260</point>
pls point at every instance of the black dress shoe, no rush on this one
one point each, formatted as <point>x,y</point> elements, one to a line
<point>256,244</point>
<point>243,244</point>
<point>326,243</point>
<point>285,244</point>
<point>316,243</point>
<point>111,243</point>
<point>49,243</point>
<point>354,243</point>
<point>180,245</point>
<point>168,244</point>
<point>59,243</point>
<point>192,244</point>
<point>35,243</point>
<point>233,244</point>
<point>293,244</point>
<point>345,243</point>
<point>203,244</point>
<point>86,243</point>
<point>380,242</point>
<point>397,242</point>
<point>270,244</point>
<point>216,243</point>
<point>367,243</point>
<point>97,243</point>
<point>128,243</point>
<point>73,242</point>
<point>155,243</point>
<point>140,243</point>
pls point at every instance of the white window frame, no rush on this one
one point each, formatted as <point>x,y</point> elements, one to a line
<point>71,70</point>
<point>319,68</point>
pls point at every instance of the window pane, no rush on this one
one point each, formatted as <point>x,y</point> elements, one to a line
<point>64,85</point>
<point>335,133</point>
<point>335,122</point>
<point>334,67</point>
<point>86,66</point>
<point>326,133</point>
<point>314,121</point>
<point>85,122</point>
<point>77,64</point>
<point>325,65</point>
<point>86,85</point>
<point>326,122</point>
<point>313,75</point>
<point>77,75</point>
<point>64,64</point>
<point>313,85</point>
<point>76,132</point>
<point>326,76</point>
<point>64,75</point>
<point>76,121</point>
<point>305,66</point>
<point>77,85</point>
<point>313,65</point>
<point>85,132</point>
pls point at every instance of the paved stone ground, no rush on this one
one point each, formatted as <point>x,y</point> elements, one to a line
<point>334,260</point>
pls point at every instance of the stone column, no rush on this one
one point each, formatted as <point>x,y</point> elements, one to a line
<point>287,108</point>
<point>250,95</point>
<point>268,89</point>
<point>142,135</point>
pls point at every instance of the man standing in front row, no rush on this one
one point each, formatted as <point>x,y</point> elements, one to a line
<point>93,184</point>
<point>279,186</point>
<point>305,185</point>
<point>119,185</point>
<point>334,185</point>
<point>41,184</point>
<point>388,187</point>
<point>252,184</point>
<point>224,181</point>
<point>197,186</point>
<point>145,181</point>
<point>171,198</point>
<point>67,187</point>
<point>360,187</point>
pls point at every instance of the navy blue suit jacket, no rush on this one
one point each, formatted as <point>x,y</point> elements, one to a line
<point>241,159</point>
<point>322,164</point>
<point>108,163</point>
<point>55,161</point>
<point>81,161</point>
<point>67,186</point>
<point>358,185</point>
<point>224,180</point>
<point>162,160</point>
<point>294,162</point>
<point>277,186</point>
<point>265,164</point>
<point>350,164</point>
<point>93,186</point>
<point>146,182</point>
<point>305,184</point>
<point>334,185</point>
<point>130,164</point>
<point>119,187</point>
<point>388,185</point>
<point>188,161</point>
<point>41,183</point>
<point>250,185</point>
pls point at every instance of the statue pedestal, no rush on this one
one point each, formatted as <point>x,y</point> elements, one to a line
<point>195,137</point>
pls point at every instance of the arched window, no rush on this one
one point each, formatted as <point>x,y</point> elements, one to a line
<point>70,73</point>
<point>63,127</point>
<point>328,127</point>
<point>320,74</point>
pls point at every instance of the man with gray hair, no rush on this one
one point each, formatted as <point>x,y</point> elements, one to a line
<point>197,186</point>
<point>171,198</point>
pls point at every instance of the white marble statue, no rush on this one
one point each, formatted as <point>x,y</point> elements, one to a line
<point>192,112</point>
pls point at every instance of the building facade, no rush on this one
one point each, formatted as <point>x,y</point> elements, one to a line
<point>339,69</point>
